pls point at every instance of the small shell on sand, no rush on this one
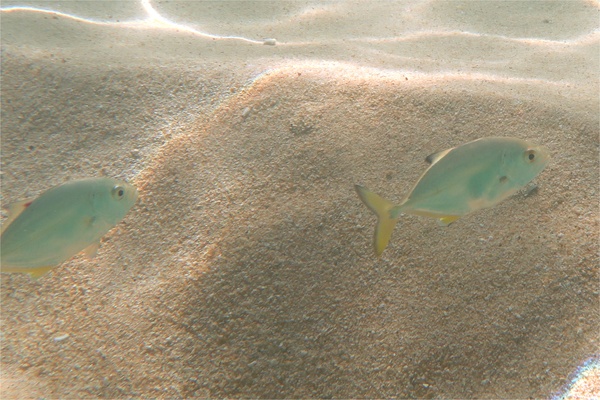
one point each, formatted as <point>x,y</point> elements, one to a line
<point>61,337</point>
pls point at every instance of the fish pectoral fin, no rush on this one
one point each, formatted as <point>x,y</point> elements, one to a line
<point>39,272</point>
<point>91,250</point>
<point>14,210</point>
<point>447,220</point>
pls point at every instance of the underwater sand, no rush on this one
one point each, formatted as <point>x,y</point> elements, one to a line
<point>246,267</point>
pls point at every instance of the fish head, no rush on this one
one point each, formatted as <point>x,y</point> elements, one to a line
<point>113,198</point>
<point>526,162</point>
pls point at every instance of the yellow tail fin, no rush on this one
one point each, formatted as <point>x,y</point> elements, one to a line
<point>381,207</point>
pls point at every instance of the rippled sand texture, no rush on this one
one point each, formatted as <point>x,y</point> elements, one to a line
<point>246,269</point>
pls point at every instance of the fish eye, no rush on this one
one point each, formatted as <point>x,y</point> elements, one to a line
<point>118,192</point>
<point>530,155</point>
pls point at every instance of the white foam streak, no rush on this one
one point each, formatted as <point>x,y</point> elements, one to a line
<point>153,21</point>
<point>581,40</point>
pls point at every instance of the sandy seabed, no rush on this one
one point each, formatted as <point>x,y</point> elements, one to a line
<point>246,268</point>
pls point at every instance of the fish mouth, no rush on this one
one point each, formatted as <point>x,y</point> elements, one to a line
<point>544,153</point>
<point>133,192</point>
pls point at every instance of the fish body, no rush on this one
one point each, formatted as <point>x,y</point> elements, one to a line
<point>41,234</point>
<point>470,177</point>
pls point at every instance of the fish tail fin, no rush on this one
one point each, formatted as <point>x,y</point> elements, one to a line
<point>385,223</point>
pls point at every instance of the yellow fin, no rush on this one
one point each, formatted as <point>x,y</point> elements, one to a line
<point>92,249</point>
<point>14,210</point>
<point>435,157</point>
<point>447,220</point>
<point>385,224</point>
<point>39,272</point>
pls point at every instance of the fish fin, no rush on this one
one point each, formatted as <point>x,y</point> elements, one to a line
<point>385,224</point>
<point>91,250</point>
<point>447,220</point>
<point>14,210</point>
<point>39,272</point>
<point>435,157</point>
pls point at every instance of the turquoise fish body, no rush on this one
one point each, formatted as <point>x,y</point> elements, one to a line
<point>467,178</point>
<point>61,222</point>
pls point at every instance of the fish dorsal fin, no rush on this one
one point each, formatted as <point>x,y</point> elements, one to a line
<point>14,210</point>
<point>91,250</point>
<point>435,157</point>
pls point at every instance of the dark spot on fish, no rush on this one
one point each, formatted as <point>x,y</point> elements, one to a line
<point>531,156</point>
<point>503,179</point>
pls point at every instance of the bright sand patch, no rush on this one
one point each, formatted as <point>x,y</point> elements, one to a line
<point>585,383</point>
<point>246,269</point>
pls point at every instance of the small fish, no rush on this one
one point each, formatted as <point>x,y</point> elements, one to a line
<point>40,234</point>
<point>476,175</point>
